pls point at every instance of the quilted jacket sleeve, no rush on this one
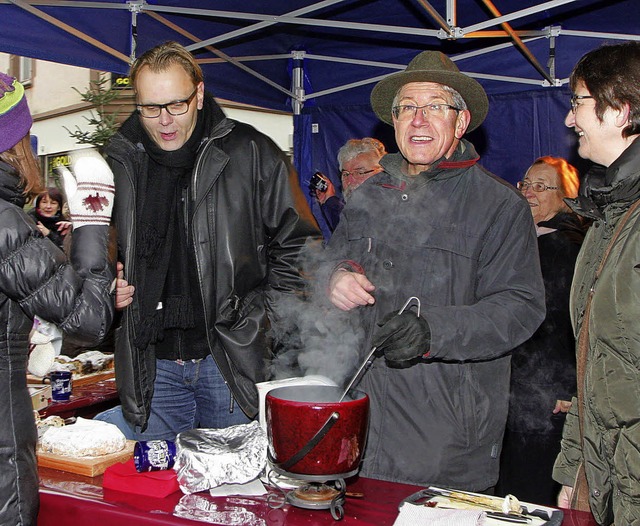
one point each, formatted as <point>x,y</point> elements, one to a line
<point>74,294</point>
<point>570,457</point>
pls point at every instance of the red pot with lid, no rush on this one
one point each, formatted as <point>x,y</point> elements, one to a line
<point>313,434</point>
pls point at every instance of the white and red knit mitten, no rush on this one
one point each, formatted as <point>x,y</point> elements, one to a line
<point>88,185</point>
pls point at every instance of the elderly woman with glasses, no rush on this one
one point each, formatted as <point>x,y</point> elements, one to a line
<point>543,369</point>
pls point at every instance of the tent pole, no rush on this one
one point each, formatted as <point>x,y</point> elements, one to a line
<point>135,6</point>
<point>435,15</point>
<point>297,79</point>
<point>69,29</point>
<point>452,14</point>
<point>216,52</point>
<point>552,56</point>
<point>518,42</point>
<point>516,15</point>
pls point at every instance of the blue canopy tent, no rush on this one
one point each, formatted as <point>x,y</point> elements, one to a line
<point>321,59</point>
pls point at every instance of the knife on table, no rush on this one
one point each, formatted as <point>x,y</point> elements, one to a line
<point>507,517</point>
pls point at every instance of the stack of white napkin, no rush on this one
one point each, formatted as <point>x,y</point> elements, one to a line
<point>418,515</point>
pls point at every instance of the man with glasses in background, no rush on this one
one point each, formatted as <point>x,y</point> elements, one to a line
<point>434,226</point>
<point>210,221</point>
<point>358,160</point>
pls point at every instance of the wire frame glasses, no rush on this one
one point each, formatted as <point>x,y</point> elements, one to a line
<point>407,112</point>
<point>536,187</point>
<point>575,101</point>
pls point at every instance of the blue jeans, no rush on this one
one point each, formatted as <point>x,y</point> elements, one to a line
<point>186,395</point>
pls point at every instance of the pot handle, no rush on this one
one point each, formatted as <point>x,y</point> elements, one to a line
<point>313,442</point>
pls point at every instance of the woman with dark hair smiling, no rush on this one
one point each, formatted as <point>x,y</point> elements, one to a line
<point>48,214</point>
<point>599,463</point>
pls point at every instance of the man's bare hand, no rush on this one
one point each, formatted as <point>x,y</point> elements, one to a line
<point>562,406</point>
<point>124,291</point>
<point>348,290</point>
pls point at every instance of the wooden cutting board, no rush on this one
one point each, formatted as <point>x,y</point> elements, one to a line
<point>88,466</point>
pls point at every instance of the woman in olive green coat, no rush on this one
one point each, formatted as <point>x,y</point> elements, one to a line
<point>602,431</point>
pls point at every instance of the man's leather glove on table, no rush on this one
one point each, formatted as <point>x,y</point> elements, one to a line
<point>402,337</point>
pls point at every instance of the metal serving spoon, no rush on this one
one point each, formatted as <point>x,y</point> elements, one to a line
<point>370,357</point>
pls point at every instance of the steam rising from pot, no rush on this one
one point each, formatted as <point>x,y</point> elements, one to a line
<point>312,336</point>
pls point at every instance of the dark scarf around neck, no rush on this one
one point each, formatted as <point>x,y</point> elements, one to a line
<point>161,255</point>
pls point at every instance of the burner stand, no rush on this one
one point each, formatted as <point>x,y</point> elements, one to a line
<point>316,493</point>
<point>320,496</point>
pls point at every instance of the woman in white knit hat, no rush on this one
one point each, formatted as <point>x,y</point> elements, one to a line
<point>37,279</point>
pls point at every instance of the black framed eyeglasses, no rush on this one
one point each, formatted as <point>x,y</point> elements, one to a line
<point>359,173</point>
<point>175,108</point>
<point>575,99</point>
<point>536,187</point>
<point>406,112</point>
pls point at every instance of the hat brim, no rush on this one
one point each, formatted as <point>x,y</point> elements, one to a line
<point>470,89</point>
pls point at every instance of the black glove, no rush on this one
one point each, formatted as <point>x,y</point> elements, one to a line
<point>402,337</point>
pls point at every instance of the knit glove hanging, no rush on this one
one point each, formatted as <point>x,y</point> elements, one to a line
<point>89,188</point>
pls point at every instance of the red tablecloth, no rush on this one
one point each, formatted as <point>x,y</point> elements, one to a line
<point>74,499</point>
<point>85,401</point>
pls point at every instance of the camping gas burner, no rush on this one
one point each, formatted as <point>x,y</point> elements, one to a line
<point>320,496</point>
<point>316,494</point>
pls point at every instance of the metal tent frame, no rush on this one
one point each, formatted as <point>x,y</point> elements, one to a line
<point>178,18</point>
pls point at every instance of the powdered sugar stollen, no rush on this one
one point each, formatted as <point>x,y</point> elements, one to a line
<point>85,438</point>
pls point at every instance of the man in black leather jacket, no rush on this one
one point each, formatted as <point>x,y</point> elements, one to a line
<point>211,222</point>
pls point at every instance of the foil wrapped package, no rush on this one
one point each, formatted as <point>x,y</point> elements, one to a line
<point>208,458</point>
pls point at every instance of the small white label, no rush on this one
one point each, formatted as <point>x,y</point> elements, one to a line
<point>315,127</point>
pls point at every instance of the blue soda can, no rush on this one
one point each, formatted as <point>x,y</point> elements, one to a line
<point>154,455</point>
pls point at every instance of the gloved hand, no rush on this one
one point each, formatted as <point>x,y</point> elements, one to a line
<point>402,337</point>
<point>89,188</point>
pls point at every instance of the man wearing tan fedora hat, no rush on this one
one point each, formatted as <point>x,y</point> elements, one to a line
<point>435,226</point>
